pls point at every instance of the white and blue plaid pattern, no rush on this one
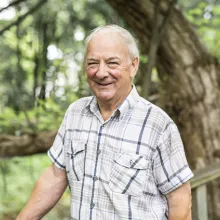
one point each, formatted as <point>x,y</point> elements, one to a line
<point>123,167</point>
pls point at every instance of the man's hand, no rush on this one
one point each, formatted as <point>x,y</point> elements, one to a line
<point>48,190</point>
<point>179,203</point>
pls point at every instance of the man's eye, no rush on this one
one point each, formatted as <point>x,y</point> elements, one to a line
<point>113,63</point>
<point>89,64</point>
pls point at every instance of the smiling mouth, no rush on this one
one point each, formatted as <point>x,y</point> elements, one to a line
<point>103,84</point>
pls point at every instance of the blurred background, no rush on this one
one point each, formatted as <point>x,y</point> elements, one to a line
<point>41,73</point>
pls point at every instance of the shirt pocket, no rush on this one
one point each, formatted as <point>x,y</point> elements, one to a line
<point>75,156</point>
<point>128,174</point>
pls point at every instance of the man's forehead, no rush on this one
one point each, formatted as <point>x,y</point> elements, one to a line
<point>107,44</point>
<point>107,58</point>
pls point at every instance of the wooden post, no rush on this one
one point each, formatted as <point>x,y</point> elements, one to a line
<point>199,203</point>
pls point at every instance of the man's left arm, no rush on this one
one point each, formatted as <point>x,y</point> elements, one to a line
<point>179,203</point>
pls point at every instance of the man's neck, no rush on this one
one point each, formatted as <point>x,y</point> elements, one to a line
<point>109,106</point>
<point>106,109</point>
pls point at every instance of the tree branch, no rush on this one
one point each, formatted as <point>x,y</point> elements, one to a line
<point>12,4</point>
<point>166,19</point>
<point>154,44</point>
<point>27,144</point>
<point>22,17</point>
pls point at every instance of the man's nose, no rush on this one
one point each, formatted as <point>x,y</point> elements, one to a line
<point>102,71</point>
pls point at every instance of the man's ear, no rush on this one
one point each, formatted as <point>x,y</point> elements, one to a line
<point>135,63</point>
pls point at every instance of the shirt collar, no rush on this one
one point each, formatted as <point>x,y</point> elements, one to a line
<point>92,105</point>
<point>129,102</point>
<point>122,109</point>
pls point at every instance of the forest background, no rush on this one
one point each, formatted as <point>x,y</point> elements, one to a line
<point>41,73</point>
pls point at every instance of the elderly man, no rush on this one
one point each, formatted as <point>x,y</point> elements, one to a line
<point>121,156</point>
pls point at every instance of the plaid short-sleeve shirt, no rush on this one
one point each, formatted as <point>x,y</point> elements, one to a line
<point>121,168</point>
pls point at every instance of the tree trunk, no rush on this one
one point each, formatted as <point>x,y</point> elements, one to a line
<point>27,144</point>
<point>190,78</point>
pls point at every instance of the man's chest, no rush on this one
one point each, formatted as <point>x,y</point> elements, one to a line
<point>130,135</point>
<point>111,152</point>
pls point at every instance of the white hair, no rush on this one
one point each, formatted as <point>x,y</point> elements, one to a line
<point>126,36</point>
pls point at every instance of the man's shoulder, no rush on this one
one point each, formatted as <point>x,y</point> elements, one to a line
<point>80,104</point>
<point>154,111</point>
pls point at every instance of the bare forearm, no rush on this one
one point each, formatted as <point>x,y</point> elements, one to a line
<point>179,213</point>
<point>179,203</point>
<point>45,195</point>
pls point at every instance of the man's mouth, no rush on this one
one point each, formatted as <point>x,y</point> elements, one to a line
<point>104,84</point>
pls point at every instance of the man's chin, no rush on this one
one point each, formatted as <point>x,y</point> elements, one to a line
<point>104,97</point>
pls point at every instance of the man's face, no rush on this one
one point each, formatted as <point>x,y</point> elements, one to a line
<point>109,67</point>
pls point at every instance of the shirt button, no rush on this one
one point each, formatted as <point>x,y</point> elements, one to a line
<point>95,178</point>
<point>98,151</point>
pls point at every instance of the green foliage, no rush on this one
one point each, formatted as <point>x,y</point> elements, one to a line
<point>205,16</point>
<point>143,59</point>
<point>17,178</point>
<point>45,48</point>
<point>47,115</point>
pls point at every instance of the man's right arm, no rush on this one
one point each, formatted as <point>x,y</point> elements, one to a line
<point>48,190</point>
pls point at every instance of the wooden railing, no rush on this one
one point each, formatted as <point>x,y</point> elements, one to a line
<point>199,190</point>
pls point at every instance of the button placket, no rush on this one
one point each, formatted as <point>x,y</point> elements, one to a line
<point>92,205</point>
<point>95,178</point>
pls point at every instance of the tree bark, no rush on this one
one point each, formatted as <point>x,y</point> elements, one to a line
<point>27,144</point>
<point>190,78</point>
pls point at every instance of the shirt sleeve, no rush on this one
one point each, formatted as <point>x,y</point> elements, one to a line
<point>56,152</point>
<point>170,166</point>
